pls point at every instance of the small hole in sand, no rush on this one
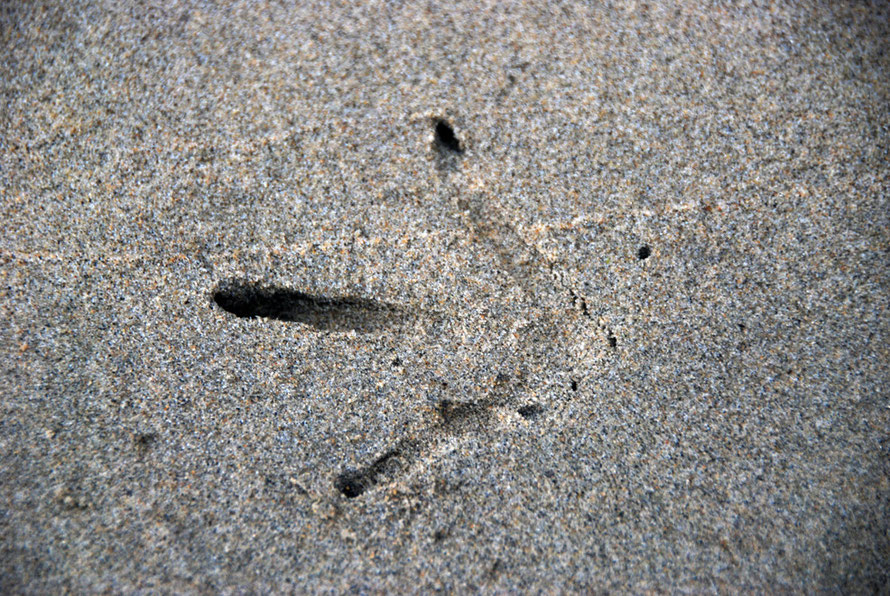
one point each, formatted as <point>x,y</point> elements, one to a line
<point>445,137</point>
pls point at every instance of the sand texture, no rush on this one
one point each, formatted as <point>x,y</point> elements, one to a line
<point>472,297</point>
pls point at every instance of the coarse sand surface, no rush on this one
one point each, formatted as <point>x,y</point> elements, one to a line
<point>471,296</point>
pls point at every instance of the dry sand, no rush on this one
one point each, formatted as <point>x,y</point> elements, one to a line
<point>549,297</point>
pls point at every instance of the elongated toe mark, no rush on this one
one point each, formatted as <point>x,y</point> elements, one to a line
<point>251,300</point>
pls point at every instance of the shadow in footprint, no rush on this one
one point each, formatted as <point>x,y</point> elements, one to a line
<point>353,482</point>
<point>250,300</point>
<point>447,148</point>
<point>445,139</point>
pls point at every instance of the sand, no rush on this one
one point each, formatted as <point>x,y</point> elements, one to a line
<point>478,297</point>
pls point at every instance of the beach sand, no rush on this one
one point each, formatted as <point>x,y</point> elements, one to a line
<point>477,297</point>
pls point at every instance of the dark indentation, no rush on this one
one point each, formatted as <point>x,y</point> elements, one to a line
<point>352,483</point>
<point>143,443</point>
<point>530,411</point>
<point>613,341</point>
<point>574,385</point>
<point>579,302</point>
<point>741,326</point>
<point>397,361</point>
<point>455,413</point>
<point>445,137</point>
<point>145,440</point>
<point>440,535</point>
<point>249,300</point>
<point>644,252</point>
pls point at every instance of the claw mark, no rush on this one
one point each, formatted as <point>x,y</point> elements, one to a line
<point>352,483</point>
<point>454,418</point>
<point>445,137</point>
<point>249,300</point>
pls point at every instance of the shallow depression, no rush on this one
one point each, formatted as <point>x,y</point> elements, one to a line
<point>251,300</point>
